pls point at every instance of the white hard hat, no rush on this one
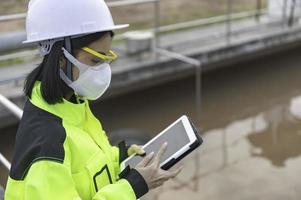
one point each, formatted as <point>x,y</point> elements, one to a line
<point>53,19</point>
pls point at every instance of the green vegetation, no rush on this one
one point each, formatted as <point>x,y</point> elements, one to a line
<point>13,6</point>
<point>142,16</point>
<point>6,63</point>
<point>175,11</point>
<point>19,60</point>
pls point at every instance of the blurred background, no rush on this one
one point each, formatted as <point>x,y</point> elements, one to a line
<point>233,66</point>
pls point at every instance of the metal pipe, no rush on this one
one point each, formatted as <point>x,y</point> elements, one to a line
<point>12,17</point>
<point>129,2</point>
<point>11,106</point>
<point>198,92</point>
<point>5,162</point>
<point>13,40</point>
<point>15,79</point>
<point>21,54</point>
<point>198,77</point>
<point>17,112</point>
<point>178,56</point>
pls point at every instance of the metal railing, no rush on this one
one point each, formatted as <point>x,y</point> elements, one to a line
<point>21,16</point>
<point>210,21</point>
<point>159,30</point>
<point>14,109</point>
<point>13,17</point>
<point>5,162</point>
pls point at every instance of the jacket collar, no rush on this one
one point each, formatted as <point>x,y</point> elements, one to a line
<point>68,111</point>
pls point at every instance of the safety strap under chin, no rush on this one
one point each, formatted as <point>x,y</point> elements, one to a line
<point>68,47</point>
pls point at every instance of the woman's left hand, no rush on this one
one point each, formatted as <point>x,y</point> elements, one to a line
<point>136,149</point>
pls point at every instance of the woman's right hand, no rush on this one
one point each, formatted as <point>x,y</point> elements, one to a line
<point>150,169</point>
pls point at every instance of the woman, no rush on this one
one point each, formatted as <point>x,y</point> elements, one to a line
<point>61,150</point>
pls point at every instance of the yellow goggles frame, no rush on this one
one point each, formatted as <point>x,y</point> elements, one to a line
<point>112,55</point>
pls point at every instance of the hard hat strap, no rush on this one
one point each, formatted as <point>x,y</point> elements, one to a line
<point>68,47</point>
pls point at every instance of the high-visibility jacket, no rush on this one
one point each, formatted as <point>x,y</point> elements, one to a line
<point>62,153</point>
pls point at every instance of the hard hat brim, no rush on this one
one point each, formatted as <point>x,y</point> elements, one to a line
<point>116,27</point>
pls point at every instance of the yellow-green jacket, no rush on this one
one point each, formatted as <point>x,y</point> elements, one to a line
<point>62,153</point>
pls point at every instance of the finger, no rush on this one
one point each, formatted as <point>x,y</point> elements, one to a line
<point>146,160</point>
<point>159,155</point>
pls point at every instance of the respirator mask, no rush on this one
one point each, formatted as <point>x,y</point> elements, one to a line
<point>93,81</point>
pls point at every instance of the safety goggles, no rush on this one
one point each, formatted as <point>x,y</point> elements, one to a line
<point>103,58</point>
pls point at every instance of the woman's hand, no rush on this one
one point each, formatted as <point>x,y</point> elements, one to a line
<point>150,169</point>
<point>135,149</point>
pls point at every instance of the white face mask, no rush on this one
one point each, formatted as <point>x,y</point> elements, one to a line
<point>92,82</point>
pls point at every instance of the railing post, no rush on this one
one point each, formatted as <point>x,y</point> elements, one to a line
<point>17,112</point>
<point>228,23</point>
<point>292,14</point>
<point>284,14</point>
<point>198,92</point>
<point>198,77</point>
<point>258,10</point>
<point>157,19</point>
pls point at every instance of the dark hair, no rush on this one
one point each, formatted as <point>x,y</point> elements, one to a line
<point>53,88</point>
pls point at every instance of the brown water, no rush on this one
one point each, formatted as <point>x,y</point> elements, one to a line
<point>251,125</point>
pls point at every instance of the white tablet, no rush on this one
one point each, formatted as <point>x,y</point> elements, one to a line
<point>182,138</point>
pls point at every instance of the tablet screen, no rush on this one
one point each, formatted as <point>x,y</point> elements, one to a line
<point>176,137</point>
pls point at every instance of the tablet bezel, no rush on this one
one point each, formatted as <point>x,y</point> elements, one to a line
<point>189,131</point>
